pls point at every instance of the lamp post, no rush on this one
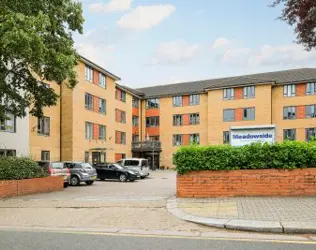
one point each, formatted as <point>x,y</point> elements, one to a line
<point>153,163</point>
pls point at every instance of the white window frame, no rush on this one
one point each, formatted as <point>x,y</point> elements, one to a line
<point>249,92</point>
<point>43,126</point>
<point>245,110</point>
<point>286,132</point>
<point>102,128</point>
<point>194,99</point>
<point>102,80</point>
<point>8,124</point>
<point>234,117</point>
<point>311,88</point>
<point>194,119</point>
<point>229,94</point>
<point>290,109</point>
<point>88,73</point>
<point>177,101</point>
<point>289,90</point>
<point>101,106</point>
<point>195,138</point>
<point>177,120</point>
<point>89,130</point>
<point>177,140</point>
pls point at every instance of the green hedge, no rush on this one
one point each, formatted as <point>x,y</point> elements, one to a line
<point>285,155</point>
<point>18,168</point>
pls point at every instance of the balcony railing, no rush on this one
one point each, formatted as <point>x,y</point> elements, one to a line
<point>146,146</point>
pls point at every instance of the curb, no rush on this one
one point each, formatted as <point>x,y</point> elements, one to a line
<point>244,225</point>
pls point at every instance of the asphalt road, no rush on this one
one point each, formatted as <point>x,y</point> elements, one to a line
<point>72,240</point>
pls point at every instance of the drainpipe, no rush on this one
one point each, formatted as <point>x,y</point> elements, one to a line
<point>60,122</point>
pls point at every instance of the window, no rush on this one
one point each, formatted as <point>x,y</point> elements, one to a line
<point>89,73</point>
<point>195,138</point>
<point>89,130</point>
<point>102,132</point>
<point>310,134</point>
<point>123,138</point>
<point>123,117</point>
<point>229,94</point>
<point>8,124</point>
<point>135,120</point>
<point>194,99</point>
<point>194,118</point>
<point>289,113</point>
<point>154,138</point>
<point>152,121</point>
<point>289,90</point>
<point>7,152</point>
<point>177,140</point>
<point>289,134</point>
<point>102,106</point>
<point>45,155</point>
<point>102,80</point>
<point>86,156</point>
<point>177,120</point>
<point>43,126</point>
<point>135,138</point>
<point>152,103</point>
<point>311,88</point>
<point>226,137</point>
<point>249,114</point>
<point>249,92</point>
<point>88,100</point>
<point>122,96</point>
<point>229,115</point>
<point>310,111</point>
<point>135,102</point>
<point>177,101</point>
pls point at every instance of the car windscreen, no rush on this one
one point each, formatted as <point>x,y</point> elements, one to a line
<point>118,166</point>
<point>86,166</point>
<point>57,165</point>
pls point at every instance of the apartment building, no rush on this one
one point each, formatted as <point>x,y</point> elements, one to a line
<point>101,120</point>
<point>204,111</point>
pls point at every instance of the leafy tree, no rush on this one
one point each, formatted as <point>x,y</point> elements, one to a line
<point>36,45</point>
<point>302,15</point>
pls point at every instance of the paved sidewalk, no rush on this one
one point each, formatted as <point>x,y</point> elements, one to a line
<point>262,214</point>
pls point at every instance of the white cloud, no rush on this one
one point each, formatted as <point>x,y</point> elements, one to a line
<point>287,55</point>
<point>174,52</point>
<point>145,17</point>
<point>221,42</point>
<point>112,6</point>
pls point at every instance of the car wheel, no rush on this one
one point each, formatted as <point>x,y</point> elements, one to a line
<point>66,184</point>
<point>123,178</point>
<point>74,180</point>
<point>89,182</point>
<point>143,177</point>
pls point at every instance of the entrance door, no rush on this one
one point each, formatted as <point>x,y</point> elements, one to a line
<point>150,159</point>
<point>96,158</point>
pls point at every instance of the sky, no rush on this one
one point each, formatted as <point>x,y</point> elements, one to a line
<point>157,42</point>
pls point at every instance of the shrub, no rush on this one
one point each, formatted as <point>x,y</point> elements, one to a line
<point>18,168</point>
<point>285,155</point>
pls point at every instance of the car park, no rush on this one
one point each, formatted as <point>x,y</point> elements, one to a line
<point>138,164</point>
<point>81,172</point>
<point>116,172</point>
<point>56,169</point>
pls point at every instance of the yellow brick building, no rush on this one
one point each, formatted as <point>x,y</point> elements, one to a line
<point>100,120</point>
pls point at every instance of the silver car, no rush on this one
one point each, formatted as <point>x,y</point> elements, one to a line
<point>137,164</point>
<point>81,172</point>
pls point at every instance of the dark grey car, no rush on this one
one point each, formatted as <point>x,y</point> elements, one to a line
<point>81,172</point>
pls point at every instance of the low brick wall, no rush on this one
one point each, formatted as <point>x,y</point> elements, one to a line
<point>259,182</point>
<point>30,186</point>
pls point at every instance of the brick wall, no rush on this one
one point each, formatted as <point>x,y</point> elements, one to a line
<point>30,186</point>
<point>265,182</point>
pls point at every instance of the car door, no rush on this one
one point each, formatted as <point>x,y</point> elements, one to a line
<point>58,169</point>
<point>102,171</point>
<point>112,171</point>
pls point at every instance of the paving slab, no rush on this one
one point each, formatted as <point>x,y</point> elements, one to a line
<point>258,214</point>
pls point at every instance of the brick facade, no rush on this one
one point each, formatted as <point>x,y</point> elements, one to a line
<point>30,186</point>
<point>259,182</point>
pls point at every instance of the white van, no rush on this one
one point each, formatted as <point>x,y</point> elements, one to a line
<point>138,164</point>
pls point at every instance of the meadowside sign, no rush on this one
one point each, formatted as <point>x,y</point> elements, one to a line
<point>243,135</point>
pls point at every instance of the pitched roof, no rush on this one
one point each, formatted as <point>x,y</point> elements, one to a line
<point>277,77</point>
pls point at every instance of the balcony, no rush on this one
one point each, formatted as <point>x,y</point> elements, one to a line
<point>146,146</point>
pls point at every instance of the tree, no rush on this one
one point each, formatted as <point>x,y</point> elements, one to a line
<point>36,46</point>
<point>302,15</point>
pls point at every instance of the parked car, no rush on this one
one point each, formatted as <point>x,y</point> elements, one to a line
<point>56,169</point>
<point>138,164</point>
<point>116,172</point>
<point>81,172</point>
